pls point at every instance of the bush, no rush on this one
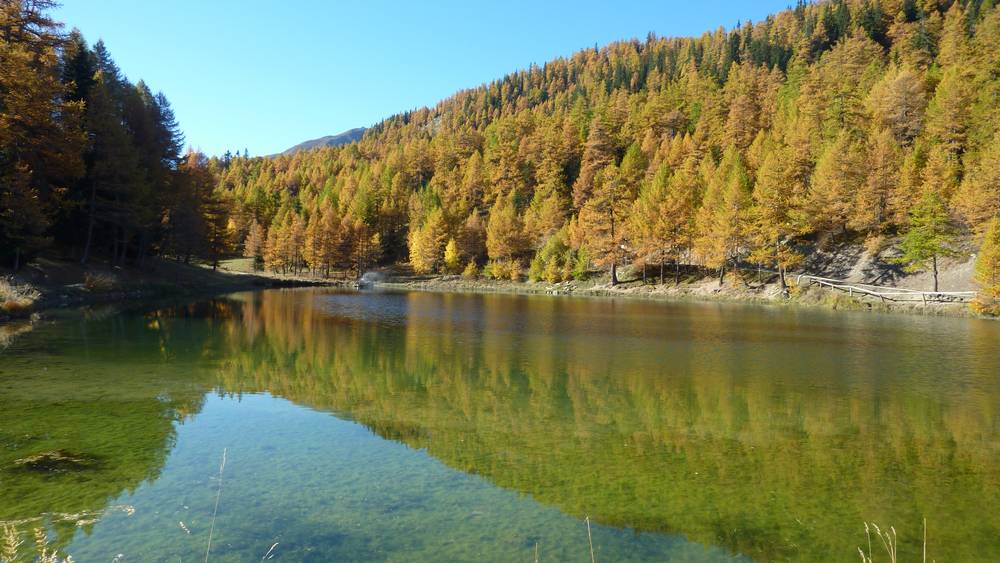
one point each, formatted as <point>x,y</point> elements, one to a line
<point>503,270</point>
<point>581,264</point>
<point>471,271</point>
<point>554,260</point>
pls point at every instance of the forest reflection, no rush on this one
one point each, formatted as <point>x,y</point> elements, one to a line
<point>773,433</point>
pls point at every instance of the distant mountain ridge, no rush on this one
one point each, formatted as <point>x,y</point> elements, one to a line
<point>344,138</point>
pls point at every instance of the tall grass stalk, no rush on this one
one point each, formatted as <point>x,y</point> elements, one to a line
<point>215,511</point>
<point>889,541</point>
<point>590,540</point>
<point>268,554</point>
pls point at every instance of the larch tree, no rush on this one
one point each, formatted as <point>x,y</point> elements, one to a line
<point>678,214</point>
<point>838,177</point>
<point>471,238</point>
<point>253,245</point>
<point>644,221</point>
<point>930,235</point>
<point>504,230</point>
<point>40,137</point>
<point>723,218</point>
<point>603,219</point>
<point>598,152</point>
<point>427,243</point>
<point>987,269</point>
<point>777,214</point>
<point>948,112</point>
<point>452,258</point>
<point>978,197</point>
<point>898,102</point>
<point>330,239</point>
<point>872,200</point>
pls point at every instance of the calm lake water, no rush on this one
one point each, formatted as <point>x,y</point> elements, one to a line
<point>436,427</point>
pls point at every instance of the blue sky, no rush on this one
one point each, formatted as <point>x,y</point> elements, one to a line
<point>266,75</point>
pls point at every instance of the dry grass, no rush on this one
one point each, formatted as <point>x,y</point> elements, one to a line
<point>889,543</point>
<point>16,298</point>
<point>98,282</point>
<point>15,549</point>
<point>12,551</point>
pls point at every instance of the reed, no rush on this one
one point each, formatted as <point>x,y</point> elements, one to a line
<point>590,540</point>
<point>215,511</point>
<point>889,540</point>
<point>270,553</point>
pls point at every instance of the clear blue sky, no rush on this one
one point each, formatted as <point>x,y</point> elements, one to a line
<point>266,75</point>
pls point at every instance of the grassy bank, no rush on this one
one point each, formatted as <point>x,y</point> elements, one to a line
<point>48,284</point>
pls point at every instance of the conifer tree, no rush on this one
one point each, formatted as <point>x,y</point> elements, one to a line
<point>871,203</point>
<point>603,219</point>
<point>930,235</point>
<point>838,177</point>
<point>504,230</point>
<point>253,246</point>
<point>452,258</point>
<point>40,138</point>
<point>987,272</point>
<point>978,198</point>
<point>722,219</point>
<point>777,214</point>
<point>598,152</point>
<point>427,243</point>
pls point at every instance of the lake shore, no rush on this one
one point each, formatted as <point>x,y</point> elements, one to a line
<point>691,288</point>
<point>50,285</point>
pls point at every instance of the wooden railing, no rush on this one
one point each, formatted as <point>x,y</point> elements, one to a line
<point>889,293</point>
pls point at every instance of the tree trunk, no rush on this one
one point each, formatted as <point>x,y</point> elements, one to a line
<point>124,254</point>
<point>614,273</point>
<point>934,260</point>
<point>722,275</point>
<point>661,267</point>
<point>781,276</point>
<point>90,223</point>
<point>677,272</point>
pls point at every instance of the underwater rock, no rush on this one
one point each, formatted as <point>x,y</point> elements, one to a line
<point>58,461</point>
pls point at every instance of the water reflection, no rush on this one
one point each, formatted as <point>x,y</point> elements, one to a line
<point>770,433</point>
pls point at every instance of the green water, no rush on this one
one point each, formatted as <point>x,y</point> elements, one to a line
<point>432,427</point>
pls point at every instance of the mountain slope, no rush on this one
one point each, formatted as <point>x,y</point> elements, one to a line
<point>329,141</point>
<point>842,119</point>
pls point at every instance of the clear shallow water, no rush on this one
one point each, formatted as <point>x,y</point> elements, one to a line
<point>444,427</point>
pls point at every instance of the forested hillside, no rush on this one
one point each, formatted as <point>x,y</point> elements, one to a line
<point>859,120</point>
<point>91,163</point>
<point>850,117</point>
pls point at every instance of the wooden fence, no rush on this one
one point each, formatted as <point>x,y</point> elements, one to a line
<point>889,293</point>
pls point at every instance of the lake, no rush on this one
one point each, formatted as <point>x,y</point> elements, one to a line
<point>441,427</point>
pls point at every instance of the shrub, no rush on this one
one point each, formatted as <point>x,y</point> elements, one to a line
<point>581,264</point>
<point>503,270</point>
<point>554,260</point>
<point>470,271</point>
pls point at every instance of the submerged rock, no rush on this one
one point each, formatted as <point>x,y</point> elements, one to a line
<point>58,461</point>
